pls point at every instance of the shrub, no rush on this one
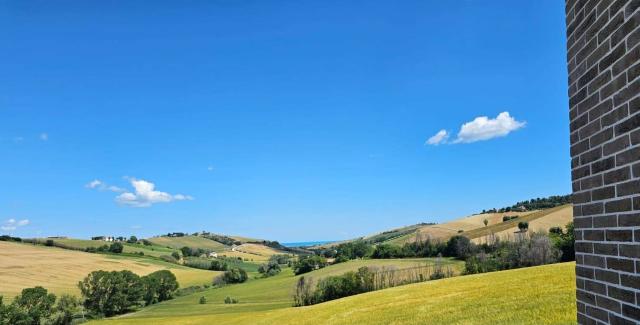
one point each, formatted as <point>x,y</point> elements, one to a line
<point>203,300</point>
<point>229,300</point>
<point>176,256</point>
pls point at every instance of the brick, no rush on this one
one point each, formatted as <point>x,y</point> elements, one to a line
<point>629,220</point>
<point>600,109</point>
<point>605,221</point>
<point>619,235</point>
<point>613,24</point>
<point>615,54</point>
<point>608,304</point>
<point>627,93</point>
<point>592,209</point>
<point>617,145</point>
<point>594,260</point>
<point>595,235</point>
<point>631,251</point>
<point>630,281</point>
<point>617,320</point>
<point>584,247</point>
<point>581,172</point>
<point>617,175</point>
<point>618,206</point>
<point>591,182</point>
<point>601,137</point>
<point>605,249</point>
<point>614,116</point>
<point>628,188</point>
<point>630,58</point>
<point>627,125</point>
<point>607,276</point>
<point>628,156</point>
<point>631,311</point>
<point>626,28</point>
<point>598,313</point>
<point>620,264</point>
<point>621,294</point>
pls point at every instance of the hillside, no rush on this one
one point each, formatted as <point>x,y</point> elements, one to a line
<point>82,244</point>
<point>188,241</point>
<point>537,295</point>
<point>59,270</point>
<point>259,295</point>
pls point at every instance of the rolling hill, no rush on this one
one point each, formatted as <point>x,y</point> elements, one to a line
<point>59,270</point>
<point>537,295</point>
<point>188,241</point>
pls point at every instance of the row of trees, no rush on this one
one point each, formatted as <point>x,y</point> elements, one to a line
<point>309,263</point>
<point>535,204</point>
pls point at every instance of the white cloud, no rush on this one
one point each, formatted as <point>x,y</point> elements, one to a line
<point>145,195</point>
<point>97,184</point>
<point>210,168</point>
<point>441,137</point>
<point>483,128</point>
<point>44,136</point>
<point>13,224</point>
<point>480,129</point>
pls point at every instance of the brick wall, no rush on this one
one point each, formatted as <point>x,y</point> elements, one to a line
<point>603,55</point>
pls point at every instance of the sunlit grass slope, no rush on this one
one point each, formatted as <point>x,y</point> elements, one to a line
<point>261,294</point>
<point>152,250</point>
<point>59,270</point>
<point>188,241</point>
<point>538,295</point>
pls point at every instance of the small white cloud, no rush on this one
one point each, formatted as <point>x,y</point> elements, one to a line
<point>441,137</point>
<point>210,168</point>
<point>483,128</point>
<point>145,195</point>
<point>96,183</point>
<point>13,224</point>
<point>44,136</point>
<point>101,186</point>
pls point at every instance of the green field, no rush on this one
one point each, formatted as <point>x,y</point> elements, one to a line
<point>258,295</point>
<point>152,250</point>
<point>188,241</point>
<point>537,295</point>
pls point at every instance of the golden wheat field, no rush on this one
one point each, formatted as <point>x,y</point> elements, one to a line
<point>59,270</point>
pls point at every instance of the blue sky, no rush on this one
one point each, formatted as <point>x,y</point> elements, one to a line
<point>287,120</point>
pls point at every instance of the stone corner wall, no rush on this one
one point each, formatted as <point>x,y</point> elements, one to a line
<point>603,56</point>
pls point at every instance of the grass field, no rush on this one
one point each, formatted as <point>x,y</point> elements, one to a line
<point>153,250</point>
<point>252,252</point>
<point>537,295</point>
<point>188,241</point>
<point>59,270</point>
<point>258,295</point>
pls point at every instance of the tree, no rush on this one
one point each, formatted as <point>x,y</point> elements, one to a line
<point>64,310</point>
<point>186,251</point>
<point>270,269</point>
<point>36,302</point>
<point>176,255</point>
<point>459,246</point>
<point>233,275</point>
<point>116,248</point>
<point>111,293</point>
<point>159,286</point>
<point>523,226</point>
<point>486,222</point>
<point>309,263</point>
<point>132,240</point>
<point>203,300</point>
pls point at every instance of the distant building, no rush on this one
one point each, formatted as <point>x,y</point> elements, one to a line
<point>213,255</point>
<point>103,238</point>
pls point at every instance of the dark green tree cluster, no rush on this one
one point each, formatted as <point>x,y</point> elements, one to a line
<point>115,248</point>
<point>269,269</point>
<point>309,263</point>
<point>36,306</point>
<point>117,292</point>
<point>535,204</point>
<point>233,275</point>
<point>564,241</point>
<point>188,251</point>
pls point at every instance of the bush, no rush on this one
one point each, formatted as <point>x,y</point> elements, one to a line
<point>176,256</point>
<point>229,300</point>
<point>203,300</point>
<point>49,242</point>
<point>459,247</point>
